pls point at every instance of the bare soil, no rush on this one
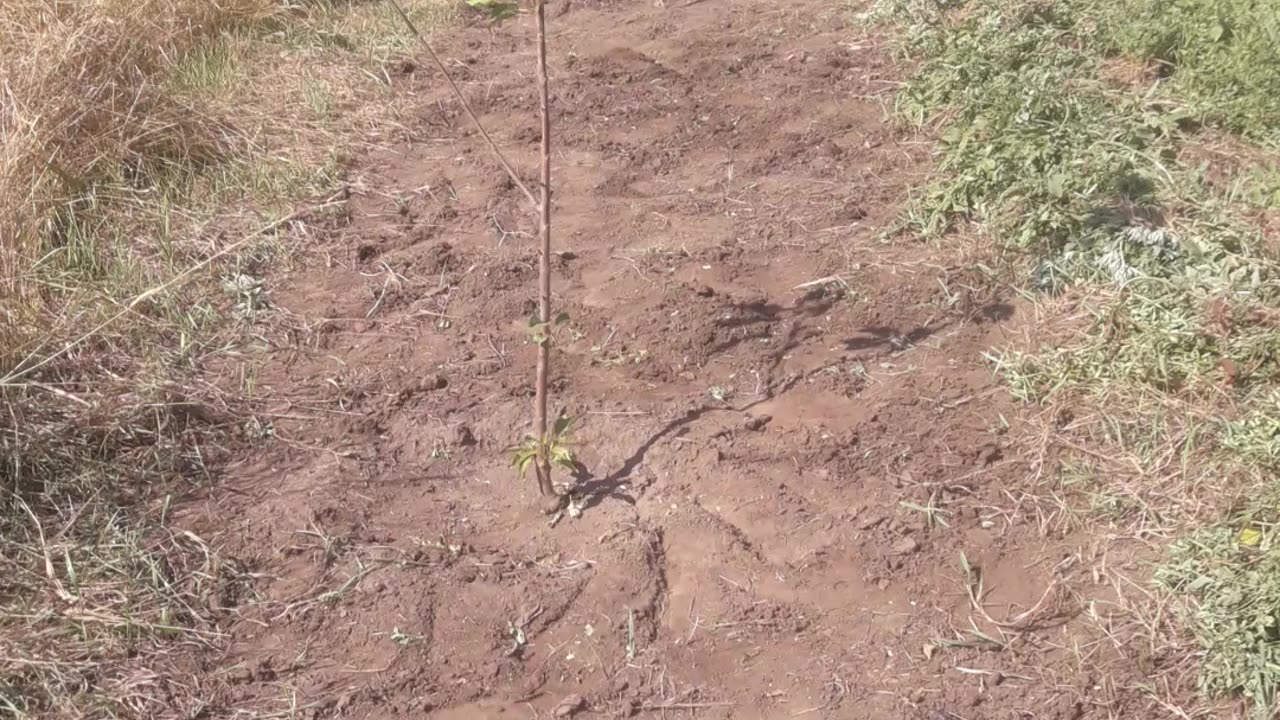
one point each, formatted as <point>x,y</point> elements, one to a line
<point>782,474</point>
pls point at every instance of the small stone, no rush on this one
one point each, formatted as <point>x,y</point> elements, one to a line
<point>906,546</point>
<point>756,422</point>
<point>569,706</point>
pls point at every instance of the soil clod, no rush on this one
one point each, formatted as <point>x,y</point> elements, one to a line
<point>906,546</point>
<point>570,706</point>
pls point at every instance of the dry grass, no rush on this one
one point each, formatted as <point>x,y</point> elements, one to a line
<point>141,142</point>
<point>90,589</point>
<point>81,97</point>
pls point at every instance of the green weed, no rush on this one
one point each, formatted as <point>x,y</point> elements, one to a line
<point>1233,578</point>
<point>1218,56</point>
<point>1255,437</point>
<point>212,69</point>
<point>1127,149</point>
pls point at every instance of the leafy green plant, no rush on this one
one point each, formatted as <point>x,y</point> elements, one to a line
<point>1233,578</point>
<point>556,446</point>
<point>540,333</point>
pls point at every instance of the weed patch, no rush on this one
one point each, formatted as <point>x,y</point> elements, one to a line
<point>1124,148</point>
<point>1233,578</point>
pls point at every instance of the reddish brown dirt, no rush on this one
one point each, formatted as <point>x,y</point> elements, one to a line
<point>764,554</point>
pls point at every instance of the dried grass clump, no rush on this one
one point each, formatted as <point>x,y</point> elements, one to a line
<point>88,588</point>
<point>79,95</point>
<point>153,154</point>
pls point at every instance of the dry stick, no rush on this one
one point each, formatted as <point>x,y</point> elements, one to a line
<point>178,279</point>
<point>545,486</point>
<point>463,100</point>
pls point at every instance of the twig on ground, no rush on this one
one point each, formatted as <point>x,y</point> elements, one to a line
<point>822,281</point>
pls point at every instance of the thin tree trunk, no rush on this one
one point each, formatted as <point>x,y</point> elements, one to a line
<point>545,485</point>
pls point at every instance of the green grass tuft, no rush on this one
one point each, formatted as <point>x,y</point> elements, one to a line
<point>1236,591</point>
<point>1218,56</point>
